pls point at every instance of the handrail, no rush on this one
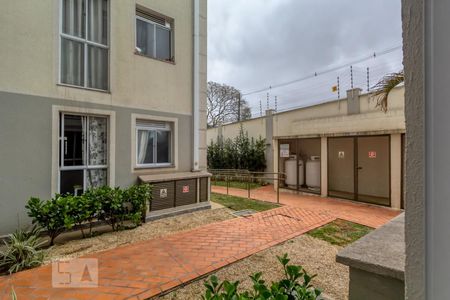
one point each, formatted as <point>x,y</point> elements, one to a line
<point>247,176</point>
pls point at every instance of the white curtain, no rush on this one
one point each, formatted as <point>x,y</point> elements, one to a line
<point>143,136</point>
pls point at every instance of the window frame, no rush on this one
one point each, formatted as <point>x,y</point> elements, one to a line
<point>155,164</point>
<point>155,24</point>
<point>85,167</point>
<point>86,43</point>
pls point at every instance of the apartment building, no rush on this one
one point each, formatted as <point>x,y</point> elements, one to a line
<point>99,92</point>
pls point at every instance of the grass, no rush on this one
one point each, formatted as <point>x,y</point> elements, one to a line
<point>238,203</point>
<point>340,232</point>
<point>236,184</point>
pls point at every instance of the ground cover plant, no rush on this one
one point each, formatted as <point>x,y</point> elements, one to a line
<point>22,250</point>
<point>340,232</point>
<point>114,206</point>
<point>296,284</point>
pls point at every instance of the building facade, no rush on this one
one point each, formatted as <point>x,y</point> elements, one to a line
<point>98,92</point>
<point>347,148</point>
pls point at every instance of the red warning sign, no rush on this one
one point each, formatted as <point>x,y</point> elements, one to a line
<point>372,154</point>
<point>186,189</point>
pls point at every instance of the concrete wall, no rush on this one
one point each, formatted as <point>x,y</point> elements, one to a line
<point>413,17</point>
<point>26,164</point>
<point>139,86</point>
<point>370,286</point>
<point>135,81</point>
<point>256,128</point>
<point>330,118</point>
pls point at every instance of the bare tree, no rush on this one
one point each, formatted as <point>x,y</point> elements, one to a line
<point>223,104</point>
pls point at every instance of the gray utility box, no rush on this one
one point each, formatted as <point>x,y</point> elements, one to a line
<point>177,189</point>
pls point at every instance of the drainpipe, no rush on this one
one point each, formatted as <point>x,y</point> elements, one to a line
<point>196,87</point>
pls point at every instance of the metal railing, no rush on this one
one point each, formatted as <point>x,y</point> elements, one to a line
<point>248,177</point>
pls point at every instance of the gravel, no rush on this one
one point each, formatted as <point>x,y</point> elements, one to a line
<point>316,256</point>
<point>154,229</point>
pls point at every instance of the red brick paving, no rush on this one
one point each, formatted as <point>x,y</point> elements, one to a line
<point>147,268</point>
<point>365,214</point>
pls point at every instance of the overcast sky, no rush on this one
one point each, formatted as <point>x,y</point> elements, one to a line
<point>254,44</point>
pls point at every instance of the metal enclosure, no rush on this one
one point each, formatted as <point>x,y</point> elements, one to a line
<point>203,189</point>
<point>163,195</point>
<point>359,168</point>
<point>186,192</point>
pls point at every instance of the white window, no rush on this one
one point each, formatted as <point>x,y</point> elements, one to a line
<point>83,158</point>
<point>153,36</point>
<point>153,144</point>
<point>84,50</point>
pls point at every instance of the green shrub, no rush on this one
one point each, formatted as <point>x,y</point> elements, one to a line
<point>22,251</point>
<point>240,153</point>
<point>111,205</point>
<point>296,285</point>
<point>52,215</point>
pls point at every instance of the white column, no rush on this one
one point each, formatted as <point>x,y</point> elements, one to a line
<point>324,167</point>
<point>396,170</point>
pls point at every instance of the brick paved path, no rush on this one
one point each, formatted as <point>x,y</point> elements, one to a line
<point>361,213</point>
<point>147,268</point>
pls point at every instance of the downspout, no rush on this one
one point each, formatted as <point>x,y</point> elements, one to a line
<point>196,87</point>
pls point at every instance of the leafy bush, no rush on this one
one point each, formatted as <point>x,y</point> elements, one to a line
<point>22,251</point>
<point>296,285</point>
<point>111,205</point>
<point>52,215</point>
<point>240,153</point>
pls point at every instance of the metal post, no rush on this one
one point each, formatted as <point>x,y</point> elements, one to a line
<point>248,187</point>
<point>368,80</point>
<point>239,107</point>
<point>278,188</point>
<point>228,184</point>
<point>351,76</point>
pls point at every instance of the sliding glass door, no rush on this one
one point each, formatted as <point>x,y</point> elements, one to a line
<point>83,159</point>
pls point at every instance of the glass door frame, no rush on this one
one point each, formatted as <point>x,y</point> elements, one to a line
<point>85,167</point>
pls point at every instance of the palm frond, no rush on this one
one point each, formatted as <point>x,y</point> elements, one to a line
<point>382,89</point>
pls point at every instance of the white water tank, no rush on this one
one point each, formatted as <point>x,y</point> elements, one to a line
<point>292,172</point>
<point>313,172</point>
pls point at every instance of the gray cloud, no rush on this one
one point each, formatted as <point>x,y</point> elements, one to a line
<point>258,43</point>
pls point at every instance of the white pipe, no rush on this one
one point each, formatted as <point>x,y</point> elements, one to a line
<point>196,87</point>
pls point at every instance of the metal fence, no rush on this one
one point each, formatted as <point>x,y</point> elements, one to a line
<point>247,177</point>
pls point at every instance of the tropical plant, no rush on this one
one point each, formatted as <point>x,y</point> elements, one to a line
<point>22,250</point>
<point>296,285</point>
<point>383,88</point>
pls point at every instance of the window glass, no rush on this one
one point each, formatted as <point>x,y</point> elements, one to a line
<point>145,141</point>
<point>98,21</point>
<point>97,68</point>
<point>145,37</point>
<point>73,20</point>
<point>71,182</point>
<point>72,62</point>
<point>163,146</point>
<point>85,54</point>
<point>162,43</point>
<point>73,141</point>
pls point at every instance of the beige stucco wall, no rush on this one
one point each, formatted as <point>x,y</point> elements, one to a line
<point>256,128</point>
<point>326,119</point>
<point>29,32</point>
<point>331,118</point>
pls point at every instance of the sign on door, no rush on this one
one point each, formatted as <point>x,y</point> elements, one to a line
<point>372,154</point>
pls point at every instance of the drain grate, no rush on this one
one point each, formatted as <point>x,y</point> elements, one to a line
<point>244,212</point>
